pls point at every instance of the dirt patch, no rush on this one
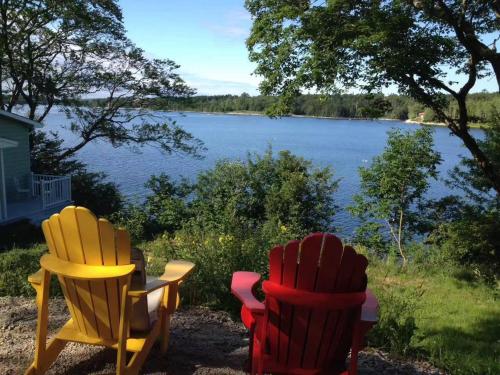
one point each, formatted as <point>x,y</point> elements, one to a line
<point>202,342</point>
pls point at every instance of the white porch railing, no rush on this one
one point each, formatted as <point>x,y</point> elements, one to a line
<point>53,190</point>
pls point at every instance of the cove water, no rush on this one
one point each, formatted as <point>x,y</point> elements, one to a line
<point>343,145</point>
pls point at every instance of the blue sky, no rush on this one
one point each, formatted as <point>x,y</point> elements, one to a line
<point>207,38</point>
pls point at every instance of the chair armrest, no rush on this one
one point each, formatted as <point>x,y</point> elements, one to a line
<point>83,271</point>
<point>148,288</point>
<point>369,309</point>
<point>36,278</point>
<point>242,286</point>
<point>177,270</point>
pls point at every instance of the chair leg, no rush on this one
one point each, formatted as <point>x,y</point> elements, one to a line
<point>358,343</point>
<point>121,360</point>
<point>45,354</point>
<point>168,308</point>
<point>137,360</point>
<point>353,366</point>
<point>165,332</point>
<point>250,347</point>
<point>49,356</point>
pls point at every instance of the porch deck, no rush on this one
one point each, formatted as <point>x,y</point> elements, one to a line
<point>31,209</point>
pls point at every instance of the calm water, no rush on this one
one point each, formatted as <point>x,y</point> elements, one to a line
<point>344,145</point>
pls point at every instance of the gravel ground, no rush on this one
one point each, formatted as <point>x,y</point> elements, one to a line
<point>202,342</point>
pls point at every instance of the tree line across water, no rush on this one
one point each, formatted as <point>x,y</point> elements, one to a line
<point>481,106</point>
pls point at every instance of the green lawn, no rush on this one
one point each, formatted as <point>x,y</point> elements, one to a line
<point>458,322</point>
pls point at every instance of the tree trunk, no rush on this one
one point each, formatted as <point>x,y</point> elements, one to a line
<point>482,160</point>
<point>400,239</point>
<point>496,68</point>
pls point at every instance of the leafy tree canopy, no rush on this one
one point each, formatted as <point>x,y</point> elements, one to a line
<point>413,44</point>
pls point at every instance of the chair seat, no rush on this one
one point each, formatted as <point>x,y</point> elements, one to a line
<point>154,301</point>
<point>142,322</point>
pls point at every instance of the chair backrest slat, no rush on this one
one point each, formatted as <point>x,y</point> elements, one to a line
<point>289,276</point>
<point>81,295</point>
<point>357,283</point>
<point>331,255</point>
<point>91,246</point>
<point>303,337</point>
<point>309,253</point>
<point>274,312</point>
<point>55,242</point>
<point>109,258</point>
<point>77,236</point>
<point>329,275</point>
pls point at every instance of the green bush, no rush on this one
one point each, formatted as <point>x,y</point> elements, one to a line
<point>21,234</point>
<point>235,213</point>
<point>168,204</point>
<point>396,326</point>
<point>216,258</point>
<point>265,192</point>
<point>473,241</point>
<point>15,267</point>
<point>91,190</point>
<point>166,209</point>
<point>136,220</point>
<point>393,190</point>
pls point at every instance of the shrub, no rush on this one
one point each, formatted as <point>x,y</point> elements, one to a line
<point>265,192</point>
<point>21,234</point>
<point>396,326</point>
<point>216,258</point>
<point>472,240</point>
<point>90,190</point>
<point>236,212</point>
<point>165,210</point>
<point>467,227</point>
<point>168,203</point>
<point>15,267</point>
<point>136,220</point>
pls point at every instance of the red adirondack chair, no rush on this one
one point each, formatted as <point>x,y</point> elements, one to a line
<point>316,308</point>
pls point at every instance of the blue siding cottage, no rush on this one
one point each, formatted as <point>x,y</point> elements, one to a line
<point>24,195</point>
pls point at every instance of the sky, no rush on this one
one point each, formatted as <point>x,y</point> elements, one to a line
<point>207,38</point>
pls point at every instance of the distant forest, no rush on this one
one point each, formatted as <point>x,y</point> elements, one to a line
<point>482,106</point>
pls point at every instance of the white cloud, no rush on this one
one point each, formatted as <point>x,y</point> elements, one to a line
<point>213,86</point>
<point>235,25</point>
<point>233,31</point>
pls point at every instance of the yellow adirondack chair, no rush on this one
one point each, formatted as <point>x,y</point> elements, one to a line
<point>92,262</point>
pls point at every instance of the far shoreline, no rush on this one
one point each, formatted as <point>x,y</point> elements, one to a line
<point>408,121</point>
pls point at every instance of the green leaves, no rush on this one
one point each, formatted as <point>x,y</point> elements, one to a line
<point>63,52</point>
<point>418,46</point>
<point>237,211</point>
<point>393,188</point>
<point>285,190</point>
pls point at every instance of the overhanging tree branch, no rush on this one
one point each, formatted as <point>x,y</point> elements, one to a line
<point>61,52</point>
